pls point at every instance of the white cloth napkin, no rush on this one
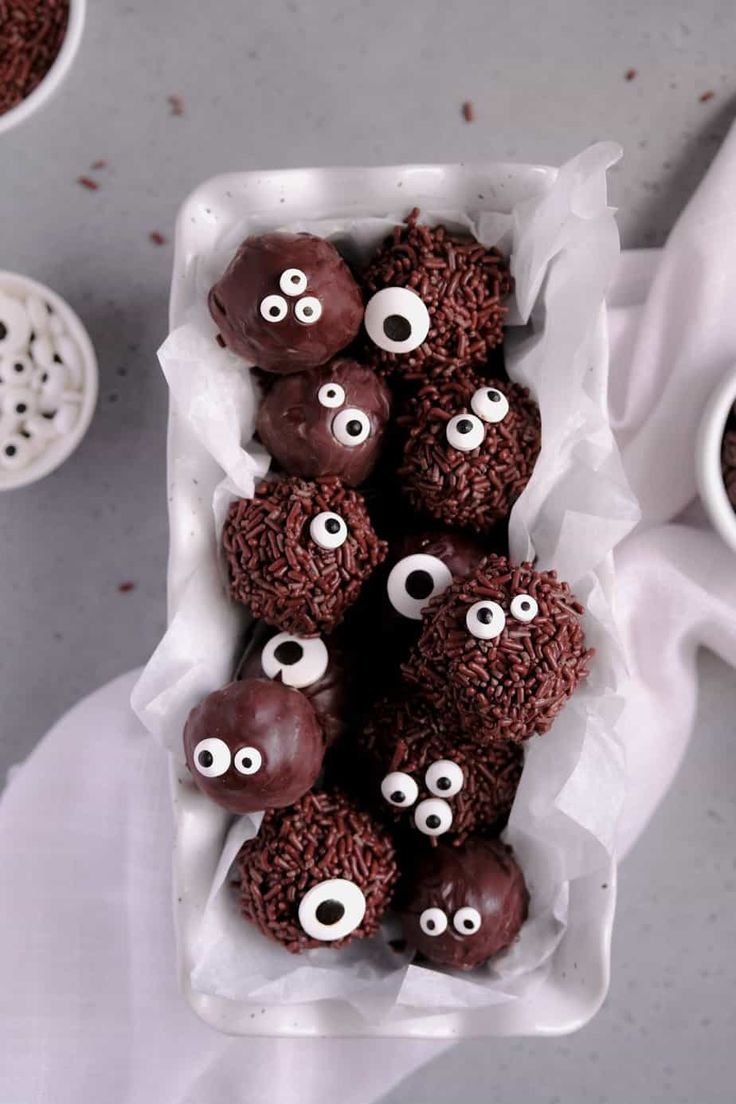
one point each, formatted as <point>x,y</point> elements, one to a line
<point>89,1008</point>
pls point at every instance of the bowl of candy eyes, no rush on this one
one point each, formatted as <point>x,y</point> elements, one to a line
<point>48,381</point>
<point>391,674</point>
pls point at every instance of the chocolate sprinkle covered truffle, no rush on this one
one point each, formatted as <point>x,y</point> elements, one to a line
<point>460,906</point>
<point>253,745</point>
<point>504,648</point>
<point>434,302</point>
<point>287,302</point>
<point>427,774</point>
<point>327,422</point>
<point>471,450</point>
<point>298,553</point>
<point>321,873</point>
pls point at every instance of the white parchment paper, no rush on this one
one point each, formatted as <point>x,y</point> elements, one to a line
<point>577,507</point>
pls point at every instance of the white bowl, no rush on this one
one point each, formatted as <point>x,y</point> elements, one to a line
<point>708,459</point>
<point>60,447</point>
<point>55,75</point>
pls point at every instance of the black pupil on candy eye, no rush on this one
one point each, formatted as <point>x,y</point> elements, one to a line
<point>485,616</point>
<point>433,821</point>
<point>419,584</point>
<point>274,311</point>
<point>331,393</point>
<point>396,327</point>
<point>330,912</point>
<point>289,652</point>
<point>332,525</point>
<point>247,762</point>
<point>468,924</point>
<point>10,450</point>
<point>295,279</point>
<point>21,408</point>
<point>464,426</point>
<point>494,396</point>
<point>525,605</point>
<point>205,759</point>
<point>3,331</point>
<point>307,312</point>
<point>398,797</point>
<point>354,428</point>
<point>443,783</point>
<point>18,367</point>
<point>431,925</point>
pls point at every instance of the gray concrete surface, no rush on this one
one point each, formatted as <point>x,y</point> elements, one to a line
<point>314,82</point>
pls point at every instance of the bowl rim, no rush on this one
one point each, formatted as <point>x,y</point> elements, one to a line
<point>712,489</point>
<point>58,70</point>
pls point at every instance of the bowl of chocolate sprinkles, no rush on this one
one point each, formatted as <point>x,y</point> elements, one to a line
<point>39,40</point>
<point>715,459</point>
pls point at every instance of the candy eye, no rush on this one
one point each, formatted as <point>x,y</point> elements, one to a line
<point>248,760</point>
<point>331,395</point>
<point>396,320</point>
<point>399,789</point>
<point>211,757</point>
<point>274,308</point>
<point>332,909</point>
<point>466,921</point>
<point>444,778</point>
<point>414,580</point>
<point>16,370</point>
<point>328,530</point>
<point>433,921</point>
<point>489,404</point>
<point>523,607</point>
<point>308,310</point>
<point>298,662</point>
<point>433,816</point>
<point>486,620</point>
<point>293,281</point>
<point>351,427</point>
<point>15,325</point>
<point>465,432</point>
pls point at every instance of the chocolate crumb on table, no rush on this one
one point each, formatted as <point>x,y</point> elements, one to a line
<point>631,74</point>
<point>125,588</point>
<point>31,35</point>
<point>469,111</point>
<point>88,183</point>
<point>157,237</point>
<point>176,105</point>
<point>705,96</point>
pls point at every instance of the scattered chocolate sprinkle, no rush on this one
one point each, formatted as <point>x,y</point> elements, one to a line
<point>97,165</point>
<point>88,182</point>
<point>512,686</point>
<point>322,836</point>
<point>31,34</point>
<point>468,111</point>
<point>157,237</point>
<point>705,96</point>
<point>631,74</point>
<point>176,105</point>
<point>125,588</point>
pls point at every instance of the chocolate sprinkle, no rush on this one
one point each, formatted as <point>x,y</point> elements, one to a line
<point>512,686</point>
<point>280,573</point>
<point>462,284</point>
<point>322,836</point>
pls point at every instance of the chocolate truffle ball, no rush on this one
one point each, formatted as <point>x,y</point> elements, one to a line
<point>286,302</point>
<point>504,648</point>
<point>429,776</point>
<point>253,745</point>
<point>319,874</point>
<point>327,422</point>
<point>298,553</point>
<point>434,302</point>
<point>424,565</point>
<point>471,450</point>
<point>462,905</point>
<point>314,666</point>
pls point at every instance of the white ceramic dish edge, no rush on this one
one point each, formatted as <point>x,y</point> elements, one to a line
<point>708,459</point>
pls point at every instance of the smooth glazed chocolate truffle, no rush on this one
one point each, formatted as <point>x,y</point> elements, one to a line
<point>298,553</point>
<point>503,648</point>
<point>327,422</point>
<point>253,745</point>
<point>429,776</point>
<point>471,450</point>
<point>462,905</point>
<point>434,302</point>
<point>319,874</point>
<point>315,667</point>
<point>287,302</point>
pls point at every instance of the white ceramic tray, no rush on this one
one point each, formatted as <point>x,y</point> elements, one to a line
<point>578,978</point>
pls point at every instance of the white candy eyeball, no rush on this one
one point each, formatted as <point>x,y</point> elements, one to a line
<point>433,921</point>
<point>332,909</point>
<point>42,351</point>
<point>444,778</point>
<point>485,619</point>
<point>16,370</point>
<point>331,395</point>
<point>274,308</point>
<point>328,530</point>
<point>465,432</point>
<point>50,382</point>
<point>15,325</point>
<point>308,310</point>
<point>247,760</point>
<point>466,921</point>
<point>396,320</point>
<point>19,404</point>
<point>523,607</point>
<point>16,450</point>
<point>490,404</point>
<point>414,580</point>
<point>71,359</point>
<point>211,757</point>
<point>399,789</point>
<point>433,816</point>
<point>298,661</point>
<point>351,427</point>
<point>38,314</point>
<point>293,281</point>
